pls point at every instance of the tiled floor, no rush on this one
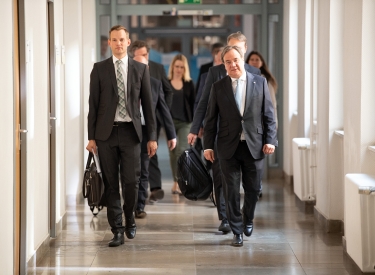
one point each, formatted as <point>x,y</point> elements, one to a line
<point>181,237</point>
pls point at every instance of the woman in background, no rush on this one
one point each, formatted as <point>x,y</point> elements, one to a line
<point>181,110</point>
<point>256,60</point>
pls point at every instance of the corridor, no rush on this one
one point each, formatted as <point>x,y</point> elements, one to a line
<point>180,237</point>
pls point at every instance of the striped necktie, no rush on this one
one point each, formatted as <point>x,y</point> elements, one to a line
<point>121,90</point>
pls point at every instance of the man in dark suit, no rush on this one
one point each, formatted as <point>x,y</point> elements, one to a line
<point>140,48</point>
<point>241,117</point>
<point>215,48</point>
<point>117,85</point>
<point>214,74</point>
<point>158,103</point>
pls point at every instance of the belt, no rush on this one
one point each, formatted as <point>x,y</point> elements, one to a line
<point>242,140</point>
<point>120,123</point>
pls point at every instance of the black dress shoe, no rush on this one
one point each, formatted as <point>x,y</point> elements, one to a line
<point>237,240</point>
<point>140,213</point>
<point>248,229</point>
<point>118,239</point>
<point>157,194</point>
<point>224,227</point>
<point>130,228</point>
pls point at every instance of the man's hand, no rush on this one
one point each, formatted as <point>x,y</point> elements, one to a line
<point>171,144</point>
<point>268,149</point>
<point>200,134</point>
<point>191,138</point>
<point>152,145</point>
<point>209,155</point>
<point>91,146</point>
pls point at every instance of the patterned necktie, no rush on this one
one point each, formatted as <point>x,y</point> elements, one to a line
<point>238,94</point>
<point>121,90</point>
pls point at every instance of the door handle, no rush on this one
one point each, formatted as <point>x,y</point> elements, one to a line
<point>23,131</point>
<point>52,118</point>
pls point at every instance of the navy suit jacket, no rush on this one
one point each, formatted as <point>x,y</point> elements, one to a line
<point>215,73</point>
<point>257,123</point>
<point>104,98</point>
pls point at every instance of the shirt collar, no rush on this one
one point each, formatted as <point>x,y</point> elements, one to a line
<point>242,77</point>
<point>124,60</point>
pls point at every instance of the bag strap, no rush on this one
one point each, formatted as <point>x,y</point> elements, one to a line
<point>85,192</point>
<point>89,158</point>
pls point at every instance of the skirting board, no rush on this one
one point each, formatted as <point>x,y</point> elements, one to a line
<point>39,254</point>
<point>288,179</point>
<point>61,224</point>
<point>329,226</point>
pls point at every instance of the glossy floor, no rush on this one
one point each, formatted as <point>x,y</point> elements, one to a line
<point>181,237</point>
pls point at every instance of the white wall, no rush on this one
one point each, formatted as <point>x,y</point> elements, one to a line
<point>7,138</point>
<point>330,109</point>
<point>290,88</point>
<point>88,59</point>
<point>37,124</point>
<point>79,39</point>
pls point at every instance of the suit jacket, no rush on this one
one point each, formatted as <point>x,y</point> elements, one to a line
<point>203,69</point>
<point>104,98</point>
<point>189,99</point>
<point>215,73</point>
<point>157,71</point>
<point>159,104</point>
<point>200,89</point>
<point>257,122</point>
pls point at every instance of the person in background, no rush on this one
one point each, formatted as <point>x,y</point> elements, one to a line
<point>256,60</point>
<point>182,109</point>
<point>159,105</point>
<point>140,48</point>
<point>103,47</point>
<point>205,67</point>
<point>117,86</point>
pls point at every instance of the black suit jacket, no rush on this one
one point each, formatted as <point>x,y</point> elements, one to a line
<point>257,123</point>
<point>160,105</point>
<point>215,73</point>
<point>157,71</point>
<point>200,90</point>
<point>104,98</point>
<point>203,69</point>
<point>189,99</point>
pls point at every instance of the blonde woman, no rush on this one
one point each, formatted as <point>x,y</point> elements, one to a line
<point>181,109</point>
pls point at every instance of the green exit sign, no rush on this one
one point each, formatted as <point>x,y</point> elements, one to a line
<point>190,1</point>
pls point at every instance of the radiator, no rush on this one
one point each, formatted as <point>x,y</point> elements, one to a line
<point>302,184</point>
<point>360,220</point>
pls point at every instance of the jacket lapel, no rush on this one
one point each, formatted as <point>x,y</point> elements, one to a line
<point>112,74</point>
<point>228,90</point>
<point>250,85</point>
<point>130,77</point>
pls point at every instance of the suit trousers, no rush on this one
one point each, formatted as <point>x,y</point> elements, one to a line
<point>145,161</point>
<point>120,153</point>
<point>154,170</point>
<point>218,187</point>
<point>252,170</point>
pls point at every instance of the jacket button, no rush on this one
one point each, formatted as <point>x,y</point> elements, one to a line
<point>242,121</point>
